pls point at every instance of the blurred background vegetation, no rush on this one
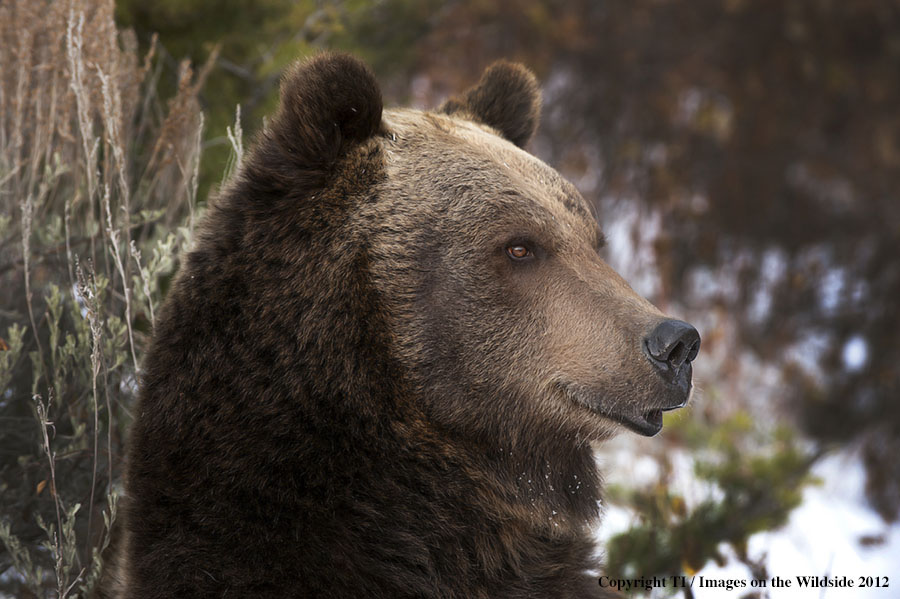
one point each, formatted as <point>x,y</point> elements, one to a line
<point>743,156</point>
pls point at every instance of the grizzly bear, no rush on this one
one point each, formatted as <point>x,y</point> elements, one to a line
<point>380,370</point>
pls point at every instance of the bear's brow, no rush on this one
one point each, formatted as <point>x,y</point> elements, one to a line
<point>575,204</point>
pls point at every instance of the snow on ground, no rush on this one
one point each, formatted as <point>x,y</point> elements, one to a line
<point>822,537</point>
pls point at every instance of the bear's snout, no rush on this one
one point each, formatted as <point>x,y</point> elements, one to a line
<point>671,347</point>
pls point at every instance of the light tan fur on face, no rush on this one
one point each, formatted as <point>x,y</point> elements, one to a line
<point>561,340</point>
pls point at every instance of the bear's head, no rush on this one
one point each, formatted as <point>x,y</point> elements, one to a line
<point>482,263</point>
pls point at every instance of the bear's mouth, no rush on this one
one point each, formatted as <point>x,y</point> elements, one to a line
<point>647,423</point>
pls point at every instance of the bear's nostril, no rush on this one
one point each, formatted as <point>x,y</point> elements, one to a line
<point>672,344</point>
<point>678,355</point>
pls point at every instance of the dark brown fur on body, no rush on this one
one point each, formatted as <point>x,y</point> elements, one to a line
<point>354,390</point>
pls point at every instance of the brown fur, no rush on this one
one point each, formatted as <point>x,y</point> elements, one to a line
<point>354,391</point>
<point>506,98</point>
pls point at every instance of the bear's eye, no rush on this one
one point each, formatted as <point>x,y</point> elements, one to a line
<point>518,252</point>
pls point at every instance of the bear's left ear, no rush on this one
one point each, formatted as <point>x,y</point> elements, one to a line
<point>506,98</point>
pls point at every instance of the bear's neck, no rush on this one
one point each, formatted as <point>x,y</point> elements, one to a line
<point>546,481</point>
<point>554,479</point>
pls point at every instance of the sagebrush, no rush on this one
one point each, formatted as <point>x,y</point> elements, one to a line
<point>98,189</point>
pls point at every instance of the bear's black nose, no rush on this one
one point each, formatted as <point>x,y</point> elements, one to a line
<point>671,345</point>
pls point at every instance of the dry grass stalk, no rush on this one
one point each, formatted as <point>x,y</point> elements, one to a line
<point>173,149</point>
<point>183,110</point>
<point>27,221</point>
<point>77,82</point>
<point>61,553</point>
<point>145,283</point>
<point>192,175</point>
<point>236,139</point>
<point>87,290</point>
<point>113,235</point>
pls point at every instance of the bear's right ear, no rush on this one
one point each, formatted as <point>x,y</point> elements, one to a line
<point>507,98</point>
<point>328,103</point>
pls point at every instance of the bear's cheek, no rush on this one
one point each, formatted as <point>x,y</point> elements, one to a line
<point>443,321</point>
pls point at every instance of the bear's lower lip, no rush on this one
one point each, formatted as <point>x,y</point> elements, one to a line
<point>647,424</point>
